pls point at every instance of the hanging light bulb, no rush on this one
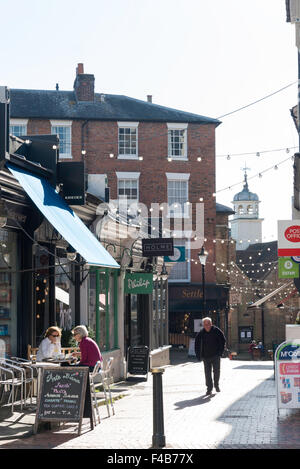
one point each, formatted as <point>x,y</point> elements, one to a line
<point>228,157</point>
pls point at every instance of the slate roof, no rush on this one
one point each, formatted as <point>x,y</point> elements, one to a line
<point>268,253</point>
<point>58,104</point>
<point>224,209</point>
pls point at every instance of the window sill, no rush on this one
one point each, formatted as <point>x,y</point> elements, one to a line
<point>63,156</point>
<point>128,157</point>
<point>174,158</point>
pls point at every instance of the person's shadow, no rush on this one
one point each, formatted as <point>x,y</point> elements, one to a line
<point>193,402</point>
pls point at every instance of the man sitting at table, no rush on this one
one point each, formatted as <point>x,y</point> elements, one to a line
<point>50,346</point>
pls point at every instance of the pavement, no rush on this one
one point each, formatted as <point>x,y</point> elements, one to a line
<point>242,416</point>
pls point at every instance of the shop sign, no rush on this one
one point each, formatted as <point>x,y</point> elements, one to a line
<point>154,247</point>
<point>287,368</point>
<point>287,268</point>
<point>179,255</point>
<point>72,177</point>
<point>137,284</point>
<point>288,238</point>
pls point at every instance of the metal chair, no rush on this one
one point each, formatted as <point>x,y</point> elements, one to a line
<point>106,380</point>
<point>27,375</point>
<point>93,386</point>
<point>7,383</point>
<point>16,381</point>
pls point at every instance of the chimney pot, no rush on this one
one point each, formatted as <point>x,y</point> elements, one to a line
<point>149,98</point>
<point>79,69</point>
<point>84,85</point>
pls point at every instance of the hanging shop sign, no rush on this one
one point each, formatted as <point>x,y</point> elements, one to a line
<point>138,283</point>
<point>179,255</point>
<point>287,268</point>
<point>71,175</point>
<point>288,238</point>
<point>287,372</point>
<point>154,247</point>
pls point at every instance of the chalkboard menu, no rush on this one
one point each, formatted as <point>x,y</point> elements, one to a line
<point>62,395</point>
<point>138,360</point>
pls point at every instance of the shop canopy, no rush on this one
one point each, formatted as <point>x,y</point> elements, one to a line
<point>63,218</point>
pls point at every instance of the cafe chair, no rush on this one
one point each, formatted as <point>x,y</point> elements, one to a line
<point>93,386</point>
<point>16,381</point>
<point>27,376</point>
<point>7,380</point>
<point>106,380</point>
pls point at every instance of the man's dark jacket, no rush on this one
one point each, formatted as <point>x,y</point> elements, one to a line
<point>219,342</point>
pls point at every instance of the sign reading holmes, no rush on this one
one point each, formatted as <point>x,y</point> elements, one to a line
<point>288,238</point>
<point>155,247</point>
<point>138,283</point>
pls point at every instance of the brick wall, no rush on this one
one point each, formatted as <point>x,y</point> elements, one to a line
<point>100,139</point>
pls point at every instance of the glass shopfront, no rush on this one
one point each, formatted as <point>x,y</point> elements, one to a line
<point>8,292</point>
<point>103,307</point>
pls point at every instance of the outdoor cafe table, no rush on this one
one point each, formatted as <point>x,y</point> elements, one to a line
<point>39,366</point>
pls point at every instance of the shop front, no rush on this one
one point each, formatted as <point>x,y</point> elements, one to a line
<point>186,309</point>
<point>146,315</point>
<point>38,285</point>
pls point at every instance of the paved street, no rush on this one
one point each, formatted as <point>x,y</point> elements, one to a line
<point>242,415</point>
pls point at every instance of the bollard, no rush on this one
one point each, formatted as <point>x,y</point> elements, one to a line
<point>158,437</point>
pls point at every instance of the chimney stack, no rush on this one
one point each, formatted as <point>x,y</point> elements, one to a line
<point>149,98</point>
<point>84,85</point>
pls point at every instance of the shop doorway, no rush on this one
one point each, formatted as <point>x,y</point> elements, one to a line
<point>137,324</point>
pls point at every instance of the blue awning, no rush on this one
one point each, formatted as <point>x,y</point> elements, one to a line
<point>63,218</point>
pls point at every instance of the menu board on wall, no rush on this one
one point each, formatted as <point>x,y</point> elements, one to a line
<point>288,374</point>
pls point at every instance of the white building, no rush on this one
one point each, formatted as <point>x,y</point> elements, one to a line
<point>246,226</point>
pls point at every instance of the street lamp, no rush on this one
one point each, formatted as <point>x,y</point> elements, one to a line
<point>202,258</point>
<point>164,273</point>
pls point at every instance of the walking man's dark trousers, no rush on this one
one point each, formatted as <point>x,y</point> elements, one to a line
<point>209,347</point>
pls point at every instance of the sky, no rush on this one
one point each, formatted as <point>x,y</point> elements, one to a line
<point>200,56</point>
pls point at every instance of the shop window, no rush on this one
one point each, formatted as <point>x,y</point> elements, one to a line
<point>103,284</point>
<point>8,293</point>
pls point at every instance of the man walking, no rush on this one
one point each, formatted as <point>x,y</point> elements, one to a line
<point>209,347</point>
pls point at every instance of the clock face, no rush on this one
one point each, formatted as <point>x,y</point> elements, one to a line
<point>176,256</point>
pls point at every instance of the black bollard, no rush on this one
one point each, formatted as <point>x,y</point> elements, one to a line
<point>158,437</point>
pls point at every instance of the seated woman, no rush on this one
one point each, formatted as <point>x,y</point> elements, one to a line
<point>50,345</point>
<point>89,350</point>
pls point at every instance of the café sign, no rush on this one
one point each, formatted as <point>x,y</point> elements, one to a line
<point>138,283</point>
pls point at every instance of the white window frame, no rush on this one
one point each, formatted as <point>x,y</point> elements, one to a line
<point>128,125</point>
<point>183,177</point>
<point>63,123</point>
<point>128,176</point>
<point>178,126</point>
<point>188,260</point>
<point>20,123</point>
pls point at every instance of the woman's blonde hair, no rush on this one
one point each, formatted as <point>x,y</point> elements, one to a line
<point>81,330</point>
<point>52,329</point>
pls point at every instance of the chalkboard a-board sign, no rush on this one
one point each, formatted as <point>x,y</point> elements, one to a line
<point>62,395</point>
<point>138,360</point>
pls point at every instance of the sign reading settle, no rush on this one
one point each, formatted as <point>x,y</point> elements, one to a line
<point>138,283</point>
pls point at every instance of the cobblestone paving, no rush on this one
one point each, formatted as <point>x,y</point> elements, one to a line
<point>242,415</point>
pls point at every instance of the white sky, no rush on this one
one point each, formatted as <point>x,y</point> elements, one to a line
<point>204,56</point>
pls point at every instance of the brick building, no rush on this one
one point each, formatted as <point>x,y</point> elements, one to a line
<point>144,153</point>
